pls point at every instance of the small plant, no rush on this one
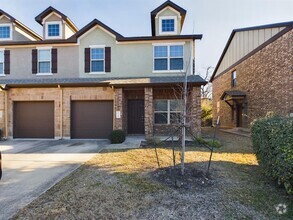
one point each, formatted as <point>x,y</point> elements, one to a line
<point>117,137</point>
<point>201,141</point>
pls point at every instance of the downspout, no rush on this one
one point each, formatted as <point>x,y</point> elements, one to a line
<point>61,112</point>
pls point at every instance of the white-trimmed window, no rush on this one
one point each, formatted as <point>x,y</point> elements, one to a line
<point>1,62</point>
<point>168,111</point>
<point>44,61</point>
<point>97,59</point>
<point>168,58</point>
<point>233,78</point>
<point>168,25</point>
<point>5,32</point>
<point>53,30</point>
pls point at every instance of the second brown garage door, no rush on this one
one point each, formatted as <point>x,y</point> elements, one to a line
<point>91,119</point>
<point>33,119</point>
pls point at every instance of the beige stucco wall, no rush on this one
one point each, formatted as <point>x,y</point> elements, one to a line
<point>127,60</point>
<point>167,12</point>
<point>21,63</point>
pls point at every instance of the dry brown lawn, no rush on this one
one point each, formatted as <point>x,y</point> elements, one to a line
<point>122,184</point>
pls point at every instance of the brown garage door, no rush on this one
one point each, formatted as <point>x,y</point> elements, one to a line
<point>33,119</point>
<point>91,119</point>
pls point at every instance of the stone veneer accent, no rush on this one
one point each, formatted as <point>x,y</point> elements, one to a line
<point>148,113</point>
<point>118,106</point>
<point>196,111</point>
<point>267,79</point>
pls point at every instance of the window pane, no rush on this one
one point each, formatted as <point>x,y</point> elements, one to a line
<point>44,55</point>
<point>44,67</point>
<point>176,51</point>
<point>161,118</point>
<point>1,68</point>
<point>161,64</point>
<point>97,54</point>
<point>176,105</point>
<point>97,66</point>
<point>161,51</point>
<point>168,25</point>
<point>1,56</point>
<point>5,32</point>
<point>176,64</point>
<point>175,118</point>
<point>53,30</point>
<point>161,105</point>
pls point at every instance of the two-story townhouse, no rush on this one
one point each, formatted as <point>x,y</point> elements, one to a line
<point>84,83</point>
<point>254,75</point>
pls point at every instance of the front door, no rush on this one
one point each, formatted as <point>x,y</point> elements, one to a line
<point>239,115</point>
<point>135,116</point>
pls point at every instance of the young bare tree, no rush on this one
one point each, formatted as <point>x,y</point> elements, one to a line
<point>206,91</point>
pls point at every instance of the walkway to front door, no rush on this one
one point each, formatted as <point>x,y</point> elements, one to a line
<point>136,116</point>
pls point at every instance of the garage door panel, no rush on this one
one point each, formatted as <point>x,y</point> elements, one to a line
<point>33,120</point>
<point>91,119</point>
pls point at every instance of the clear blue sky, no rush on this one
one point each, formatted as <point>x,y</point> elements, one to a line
<point>215,19</point>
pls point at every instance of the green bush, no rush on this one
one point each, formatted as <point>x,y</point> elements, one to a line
<point>273,144</point>
<point>201,141</point>
<point>206,112</point>
<point>117,137</point>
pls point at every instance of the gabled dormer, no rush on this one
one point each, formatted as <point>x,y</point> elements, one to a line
<point>167,19</point>
<point>13,30</point>
<point>55,24</point>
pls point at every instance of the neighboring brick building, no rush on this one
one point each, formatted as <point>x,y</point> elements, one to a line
<point>254,75</point>
<point>84,83</point>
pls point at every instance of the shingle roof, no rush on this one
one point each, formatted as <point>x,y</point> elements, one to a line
<point>233,94</point>
<point>194,79</point>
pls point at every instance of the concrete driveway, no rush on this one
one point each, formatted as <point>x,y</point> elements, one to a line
<point>30,168</point>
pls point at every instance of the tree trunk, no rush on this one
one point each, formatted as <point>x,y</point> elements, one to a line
<point>184,126</point>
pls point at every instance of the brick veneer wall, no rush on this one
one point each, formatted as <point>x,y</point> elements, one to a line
<point>267,79</point>
<point>53,94</point>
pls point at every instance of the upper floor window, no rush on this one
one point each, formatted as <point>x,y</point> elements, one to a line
<point>1,62</point>
<point>168,58</point>
<point>233,78</point>
<point>5,32</point>
<point>44,61</point>
<point>97,59</point>
<point>168,25</point>
<point>53,30</point>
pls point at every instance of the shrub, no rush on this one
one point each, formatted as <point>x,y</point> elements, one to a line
<point>117,137</point>
<point>201,141</point>
<point>273,144</point>
<point>206,112</point>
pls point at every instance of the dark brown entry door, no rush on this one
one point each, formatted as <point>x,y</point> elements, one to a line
<point>136,116</point>
<point>91,119</point>
<point>239,115</point>
<point>33,119</point>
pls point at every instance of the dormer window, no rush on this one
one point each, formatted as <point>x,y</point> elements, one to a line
<point>53,30</point>
<point>168,25</point>
<point>5,31</point>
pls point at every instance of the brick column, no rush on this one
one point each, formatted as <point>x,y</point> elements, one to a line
<point>118,106</point>
<point>148,113</point>
<point>196,111</point>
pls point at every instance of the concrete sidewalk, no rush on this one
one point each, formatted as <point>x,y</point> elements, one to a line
<point>30,168</point>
